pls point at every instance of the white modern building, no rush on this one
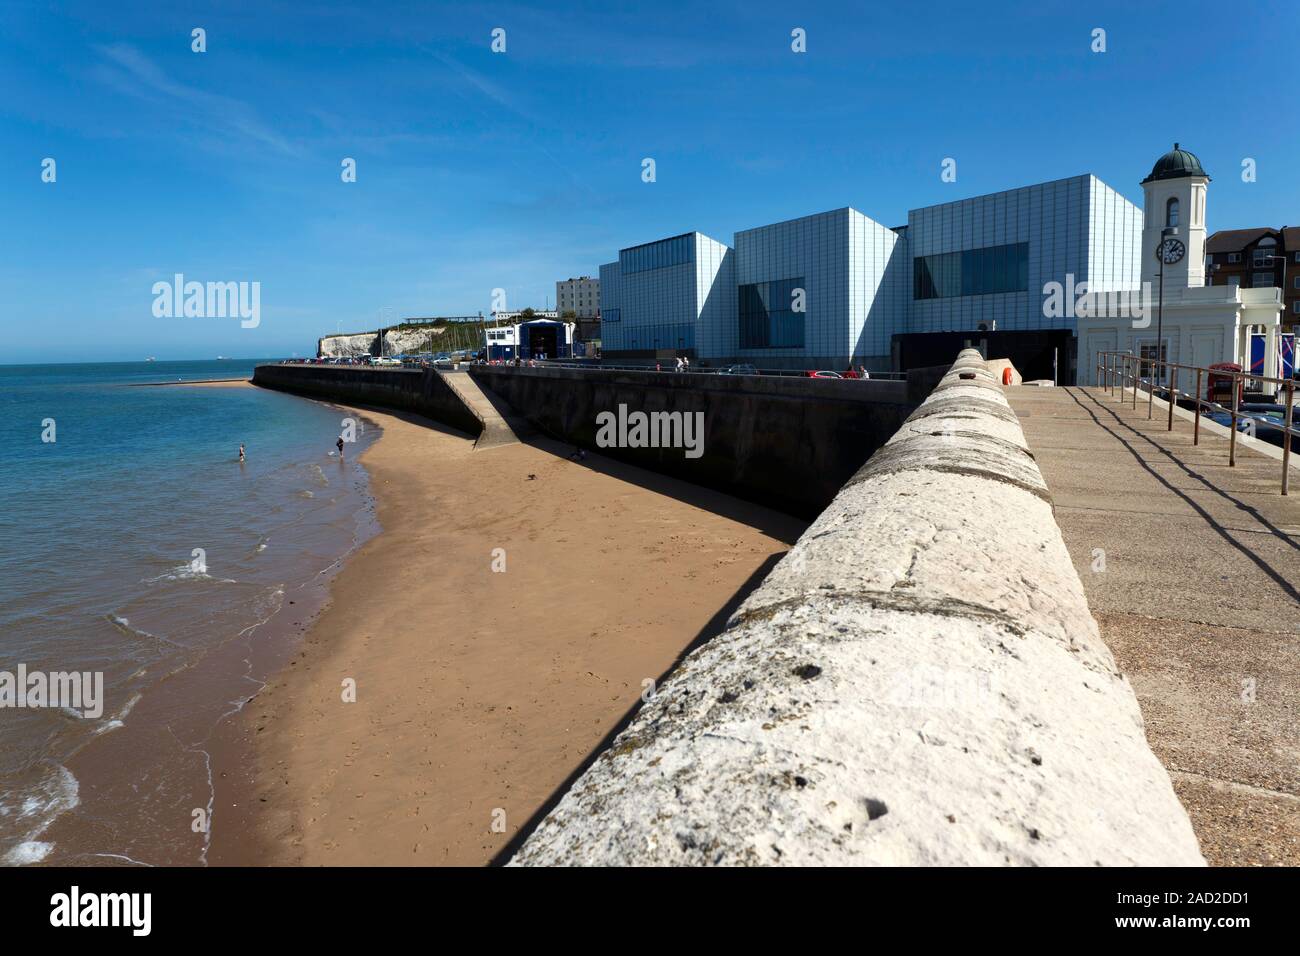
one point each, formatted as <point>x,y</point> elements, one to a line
<point>817,291</point>
<point>1184,320</point>
<point>1031,274</point>
<point>839,288</point>
<point>675,296</point>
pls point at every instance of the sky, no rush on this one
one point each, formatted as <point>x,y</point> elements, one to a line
<point>479,170</point>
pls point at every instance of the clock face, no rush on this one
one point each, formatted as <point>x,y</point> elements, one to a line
<point>1170,251</point>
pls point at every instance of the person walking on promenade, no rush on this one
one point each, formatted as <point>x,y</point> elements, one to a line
<point>686,364</point>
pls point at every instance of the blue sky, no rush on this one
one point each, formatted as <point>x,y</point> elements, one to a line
<point>478,170</point>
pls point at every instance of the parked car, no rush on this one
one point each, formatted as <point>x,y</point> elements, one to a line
<point>1219,387</point>
<point>385,361</point>
<point>738,370</point>
<point>822,374</point>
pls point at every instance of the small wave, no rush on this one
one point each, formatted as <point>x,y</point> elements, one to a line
<point>124,624</point>
<point>318,476</point>
<point>58,793</point>
<point>32,851</point>
<point>187,572</point>
<point>305,494</point>
<point>118,719</point>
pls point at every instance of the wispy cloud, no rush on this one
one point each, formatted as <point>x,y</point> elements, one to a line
<point>487,88</point>
<point>129,71</point>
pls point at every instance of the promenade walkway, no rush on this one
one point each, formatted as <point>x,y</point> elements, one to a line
<point>1192,570</point>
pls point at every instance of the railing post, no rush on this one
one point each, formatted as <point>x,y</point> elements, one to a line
<point>1151,392</point>
<point>1137,377</point>
<point>1286,436</point>
<point>1173,393</point>
<point>1196,428</point>
<point>1232,438</point>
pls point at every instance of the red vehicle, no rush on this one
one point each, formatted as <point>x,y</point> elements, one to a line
<point>813,373</point>
<point>1219,387</point>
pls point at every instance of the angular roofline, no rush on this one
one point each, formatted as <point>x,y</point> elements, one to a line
<point>1050,182</point>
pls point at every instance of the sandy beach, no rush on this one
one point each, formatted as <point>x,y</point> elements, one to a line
<point>480,692</point>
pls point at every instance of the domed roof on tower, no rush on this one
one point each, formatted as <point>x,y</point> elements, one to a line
<point>1176,164</point>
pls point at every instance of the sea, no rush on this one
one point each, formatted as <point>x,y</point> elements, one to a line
<point>135,545</point>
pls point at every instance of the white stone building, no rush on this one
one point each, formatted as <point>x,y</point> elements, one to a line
<point>1181,320</point>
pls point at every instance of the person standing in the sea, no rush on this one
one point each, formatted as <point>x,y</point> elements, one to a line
<point>340,444</point>
<point>241,454</point>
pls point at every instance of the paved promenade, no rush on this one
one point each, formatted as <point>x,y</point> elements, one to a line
<point>1192,570</point>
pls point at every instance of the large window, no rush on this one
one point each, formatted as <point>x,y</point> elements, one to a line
<point>611,315</point>
<point>971,272</point>
<point>1262,280</point>
<point>1171,212</point>
<point>657,255</point>
<point>767,316</point>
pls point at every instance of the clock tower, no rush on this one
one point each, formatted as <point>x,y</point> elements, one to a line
<point>1174,197</point>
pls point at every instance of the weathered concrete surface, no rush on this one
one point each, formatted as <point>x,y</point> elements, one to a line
<point>501,424</point>
<point>425,392</point>
<point>1193,571</point>
<point>787,443</point>
<point>918,681</point>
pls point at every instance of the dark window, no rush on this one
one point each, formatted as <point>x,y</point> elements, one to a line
<point>1171,211</point>
<point>971,272</point>
<point>767,316</point>
<point>657,255</point>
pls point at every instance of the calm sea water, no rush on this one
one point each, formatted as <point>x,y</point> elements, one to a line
<point>99,573</point>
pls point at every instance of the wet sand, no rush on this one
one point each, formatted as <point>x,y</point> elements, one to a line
<point>479,693</point>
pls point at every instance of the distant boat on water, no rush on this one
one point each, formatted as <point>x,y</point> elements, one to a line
<point>150,359</point>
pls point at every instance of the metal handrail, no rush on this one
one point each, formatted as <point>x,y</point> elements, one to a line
<point>1119,368</point>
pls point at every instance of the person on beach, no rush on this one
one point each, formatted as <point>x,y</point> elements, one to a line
<point>340,444</point>
<point>241,454</point>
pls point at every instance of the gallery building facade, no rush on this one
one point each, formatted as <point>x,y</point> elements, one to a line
<point>839,288</point>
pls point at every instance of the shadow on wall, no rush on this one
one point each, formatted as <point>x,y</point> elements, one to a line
<point>787,443</point>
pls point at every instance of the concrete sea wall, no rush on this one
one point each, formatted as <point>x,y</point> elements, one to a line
<point>789,443</point>
<point>425,392</point>
<point>918,682</point>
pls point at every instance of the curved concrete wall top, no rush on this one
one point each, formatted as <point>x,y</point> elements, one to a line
<point>919,681</point>
<point>424,391</point>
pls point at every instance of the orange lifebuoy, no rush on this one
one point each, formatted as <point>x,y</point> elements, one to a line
<point>1006,375</point>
